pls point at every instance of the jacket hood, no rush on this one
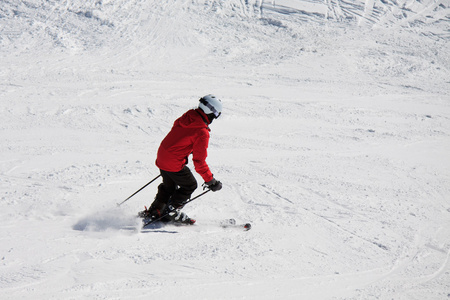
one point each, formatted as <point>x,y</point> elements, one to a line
<point>194,118</point>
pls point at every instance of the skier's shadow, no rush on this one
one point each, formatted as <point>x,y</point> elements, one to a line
<point>156,227</point>
<point>146,230</point>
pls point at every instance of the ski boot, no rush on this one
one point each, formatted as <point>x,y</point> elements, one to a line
<point>150,214</point>
<point>144,214</point>
<point>177,217</point>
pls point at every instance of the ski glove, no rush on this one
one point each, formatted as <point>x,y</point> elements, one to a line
<point>214,185</point>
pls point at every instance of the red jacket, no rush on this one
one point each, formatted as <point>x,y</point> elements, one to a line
<point>189,135</point>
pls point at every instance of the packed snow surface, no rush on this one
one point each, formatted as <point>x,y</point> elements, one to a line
<point>334,143</point>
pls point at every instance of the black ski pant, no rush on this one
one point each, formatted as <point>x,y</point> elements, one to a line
<point>175,190</point>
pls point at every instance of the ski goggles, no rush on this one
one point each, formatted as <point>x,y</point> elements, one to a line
<point>211,108</point>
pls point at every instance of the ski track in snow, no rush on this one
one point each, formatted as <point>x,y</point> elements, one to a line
<point>333,144</point>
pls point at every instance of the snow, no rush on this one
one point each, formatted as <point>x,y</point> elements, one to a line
<point>333,143</point>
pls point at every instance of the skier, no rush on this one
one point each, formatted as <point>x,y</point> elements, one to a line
<point>189,135</point>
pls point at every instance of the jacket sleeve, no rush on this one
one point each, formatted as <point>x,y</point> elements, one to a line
<point>199,154</point>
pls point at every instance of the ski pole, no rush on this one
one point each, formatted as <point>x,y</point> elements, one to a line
<point>166,214</point>
<point>198,196</point>
<point>119,204</point>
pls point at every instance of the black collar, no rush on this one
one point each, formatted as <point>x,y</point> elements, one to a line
<point>203,118</point>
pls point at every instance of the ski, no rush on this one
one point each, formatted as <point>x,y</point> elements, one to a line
<point>231,223</point>
<point>148,223</point>
<point>226,224</point>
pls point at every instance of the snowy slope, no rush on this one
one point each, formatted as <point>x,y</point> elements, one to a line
<point>333,142</point>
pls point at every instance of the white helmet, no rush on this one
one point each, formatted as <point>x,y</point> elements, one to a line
<point>210,104</point>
